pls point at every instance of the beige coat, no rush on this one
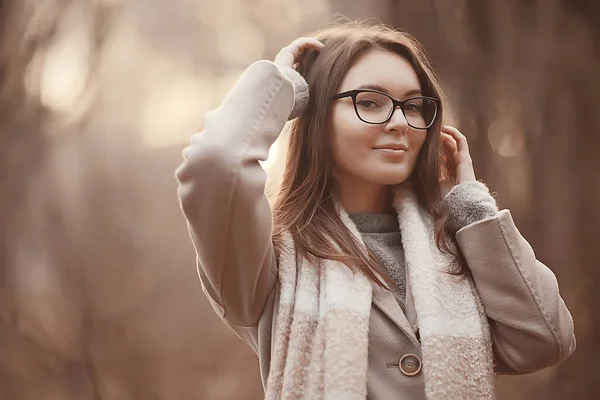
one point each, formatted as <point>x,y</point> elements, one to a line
<point>230,221</point>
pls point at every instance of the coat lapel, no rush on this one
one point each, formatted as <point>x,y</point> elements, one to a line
<point>385,301</point>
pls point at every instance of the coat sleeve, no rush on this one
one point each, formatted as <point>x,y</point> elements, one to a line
<point>221,191</point>
<point>530,324</point>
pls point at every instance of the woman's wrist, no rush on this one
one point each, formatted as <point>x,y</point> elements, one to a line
<point>469,202</point>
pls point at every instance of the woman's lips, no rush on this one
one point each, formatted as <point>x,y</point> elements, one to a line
<point>391,152</point>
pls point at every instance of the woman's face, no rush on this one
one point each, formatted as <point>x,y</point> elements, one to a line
<point>384,154</point>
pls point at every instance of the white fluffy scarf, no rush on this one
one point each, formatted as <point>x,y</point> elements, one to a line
<point>321,336</point>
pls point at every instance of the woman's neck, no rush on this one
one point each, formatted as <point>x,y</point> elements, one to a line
<point>365,198</point>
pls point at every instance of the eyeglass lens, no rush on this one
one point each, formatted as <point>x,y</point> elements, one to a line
<point>376,108</point>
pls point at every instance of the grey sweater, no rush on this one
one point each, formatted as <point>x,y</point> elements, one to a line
<point>468,203</point>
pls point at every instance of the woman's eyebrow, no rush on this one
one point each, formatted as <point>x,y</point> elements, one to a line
<point>384,90</point>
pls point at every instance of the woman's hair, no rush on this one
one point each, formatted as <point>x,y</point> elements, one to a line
<point>305,205</point>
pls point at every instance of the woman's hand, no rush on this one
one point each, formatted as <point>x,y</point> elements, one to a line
<point>458,148</point>
<point>290,54</point>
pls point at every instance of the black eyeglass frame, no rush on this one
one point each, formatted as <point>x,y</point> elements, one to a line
<point>396,103</point>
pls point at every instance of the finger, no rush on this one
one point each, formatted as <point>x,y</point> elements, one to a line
<point>301,44</point>
<point>450,143</point>
<point>285,58</point>
<point>455,133</point>
<point>307,41</point>
<point>461,140</point>
<point>292,53</point>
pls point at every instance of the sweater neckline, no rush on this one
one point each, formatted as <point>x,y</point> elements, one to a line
<point>375,222</point>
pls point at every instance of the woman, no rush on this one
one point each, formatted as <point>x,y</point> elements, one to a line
<point>367,277</point>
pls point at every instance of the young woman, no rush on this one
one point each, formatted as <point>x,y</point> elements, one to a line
<point>369,275</point>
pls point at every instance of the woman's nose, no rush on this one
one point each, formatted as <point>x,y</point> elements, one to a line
<point>397,122</point>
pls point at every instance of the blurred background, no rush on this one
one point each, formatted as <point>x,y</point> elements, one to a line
<point>99,297</point>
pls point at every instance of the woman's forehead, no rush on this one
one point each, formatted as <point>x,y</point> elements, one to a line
<point>382,68</point>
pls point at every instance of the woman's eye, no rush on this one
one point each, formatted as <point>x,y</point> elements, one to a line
<point>413,107</point>
<point>367,104</point>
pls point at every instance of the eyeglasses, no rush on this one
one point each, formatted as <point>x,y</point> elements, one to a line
<point>374,107</point>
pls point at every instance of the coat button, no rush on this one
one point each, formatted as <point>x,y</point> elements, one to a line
<point>410,364</point>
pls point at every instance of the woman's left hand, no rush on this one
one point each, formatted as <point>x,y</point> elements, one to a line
<point>458,148</point>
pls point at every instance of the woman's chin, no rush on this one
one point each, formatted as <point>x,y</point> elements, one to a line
<point>394,182</point>
<point>390,178</point>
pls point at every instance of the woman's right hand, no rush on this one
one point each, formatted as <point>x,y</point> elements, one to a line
<point>290,54</point>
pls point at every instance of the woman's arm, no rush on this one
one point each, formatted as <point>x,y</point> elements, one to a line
<point>221,188</point>
<point>530,324</point>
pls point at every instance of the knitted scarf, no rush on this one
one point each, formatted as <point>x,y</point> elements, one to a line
<point>321,334</point>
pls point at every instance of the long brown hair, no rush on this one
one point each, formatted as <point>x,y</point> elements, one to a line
<point>305,204</point>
